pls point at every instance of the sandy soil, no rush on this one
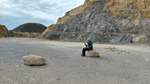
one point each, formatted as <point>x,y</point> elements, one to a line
<point>127,64</point>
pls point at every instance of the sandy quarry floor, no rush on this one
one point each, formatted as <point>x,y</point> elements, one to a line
<point>127,64</point>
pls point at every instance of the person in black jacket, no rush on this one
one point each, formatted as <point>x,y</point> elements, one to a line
<point>89,46</point>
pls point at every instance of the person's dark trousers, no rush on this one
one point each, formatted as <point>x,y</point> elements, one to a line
<point>85,49</point>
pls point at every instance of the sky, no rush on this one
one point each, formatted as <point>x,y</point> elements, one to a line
<point>16,12</point>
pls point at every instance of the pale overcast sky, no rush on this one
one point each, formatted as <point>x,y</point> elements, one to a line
<point>16,12</point>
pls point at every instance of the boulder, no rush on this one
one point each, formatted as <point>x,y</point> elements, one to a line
<point>93,53</point>
<point>34,60</point>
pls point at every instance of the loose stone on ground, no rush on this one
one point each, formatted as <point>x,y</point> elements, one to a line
<point>34,60</point>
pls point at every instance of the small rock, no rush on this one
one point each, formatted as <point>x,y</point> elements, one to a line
<point>1,68</point>
<point>127,51</point>
<point>27,79</point>
<point>33,60</point>
<point>121,51</point>
<point>58,79</point>
<point>147,60</point>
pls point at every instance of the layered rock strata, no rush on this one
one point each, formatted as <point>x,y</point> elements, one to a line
<point>104,21</point>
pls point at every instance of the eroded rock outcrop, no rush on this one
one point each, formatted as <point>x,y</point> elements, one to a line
<point>105,21</point>
<point>71,14</point>
<point>30,27</point>
<point>3,31</point>
<point>137,9</point>
<point>31,30</point>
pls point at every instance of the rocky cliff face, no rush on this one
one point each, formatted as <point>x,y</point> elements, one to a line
<point>3,31</point>
<point>104,21</point>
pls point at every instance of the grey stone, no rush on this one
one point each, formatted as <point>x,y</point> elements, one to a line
<point>33,60</point>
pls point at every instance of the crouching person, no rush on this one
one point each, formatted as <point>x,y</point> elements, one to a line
<point>89,46</point>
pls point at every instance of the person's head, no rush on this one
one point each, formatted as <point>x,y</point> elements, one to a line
<point>89,39</point>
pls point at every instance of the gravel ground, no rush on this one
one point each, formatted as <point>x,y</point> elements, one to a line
<point>130,64</point>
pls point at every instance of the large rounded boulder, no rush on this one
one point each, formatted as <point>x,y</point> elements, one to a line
<point>34,60</point>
